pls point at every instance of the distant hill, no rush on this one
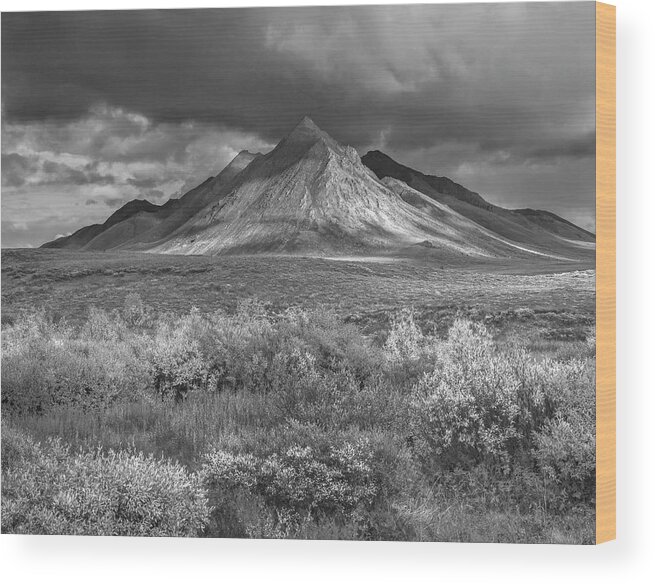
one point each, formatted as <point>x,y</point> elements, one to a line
<point>83,236</point>
<point>140,222</point>
<point>516,225</point>
<point>313,196</point>
<point>556,224</point>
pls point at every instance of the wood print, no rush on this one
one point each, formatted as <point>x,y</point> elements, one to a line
<point>312,272</point>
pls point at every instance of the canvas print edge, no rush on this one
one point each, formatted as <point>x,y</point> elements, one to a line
<point>605,272</point>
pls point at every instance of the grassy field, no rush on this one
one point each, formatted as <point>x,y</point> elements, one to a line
<point>557,298</point>
<point>297,397</point>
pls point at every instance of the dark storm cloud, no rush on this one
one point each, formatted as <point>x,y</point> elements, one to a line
<point>160,99</point>
<point>478,72</point>
<point>210,66</point>
<point>581,147</point>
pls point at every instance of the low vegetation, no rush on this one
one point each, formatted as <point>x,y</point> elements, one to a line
<point>293,423</point>
<point>47,489</point>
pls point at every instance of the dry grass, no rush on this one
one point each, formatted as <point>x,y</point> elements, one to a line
<point>559,299</point>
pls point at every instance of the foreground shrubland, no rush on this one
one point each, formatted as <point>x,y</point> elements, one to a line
<point>47,489</point>
<point>292,425</point>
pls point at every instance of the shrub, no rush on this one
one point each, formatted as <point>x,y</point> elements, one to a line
<point>136,313</point>
<point>17,447</point>
<point>113,356</point>
<point>565,448</point>
<point>465,409</point>
<point>407,351</point>
<point>333,343</point>
<point>333,398</point>
<point>405,341</point>
<point>298,484</point>
<point>566,453</point>
<point>100,326</point>
<point>304,480</point>
<point>177,366</point>
<point>483,406</point>
<point>45,366</point>
<point>252,348</point>
<point>47,489</point>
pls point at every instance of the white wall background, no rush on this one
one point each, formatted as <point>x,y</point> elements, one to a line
<point>630,559</point>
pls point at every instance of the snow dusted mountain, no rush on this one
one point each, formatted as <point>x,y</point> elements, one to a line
<point>308,196</point>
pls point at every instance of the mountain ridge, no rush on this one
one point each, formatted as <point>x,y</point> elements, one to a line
<point>465,201</point>
<point>311,195</point>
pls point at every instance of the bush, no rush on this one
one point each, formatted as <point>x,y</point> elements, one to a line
<point>408,353</point>
<point>465,410</point>
<point>177,366</point>
<point>565,448</point>
<point>17,448</point>
<point>136,313</point>
<point>295,484</point>
<point>51,490</point>
<point>304,480</point>
<point>45,365</point>
<point>333,343</point>
<point>405,341</point>
<point>299,479</point>
<point>114,356</point>
<point>101,326</point>
<point>504,411</point>
<point>566,453</point>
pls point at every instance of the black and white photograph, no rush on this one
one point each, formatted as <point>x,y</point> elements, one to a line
<point>319,273</point>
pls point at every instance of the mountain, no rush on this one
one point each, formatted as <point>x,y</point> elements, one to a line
<point>312,196</point>
<point>517,225</point>
<point>86,234</point>
<point>138,234</point>
<point>556,224</point>
<point>140,222</point>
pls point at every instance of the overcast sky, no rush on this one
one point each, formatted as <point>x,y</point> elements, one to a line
<point>102,107</point>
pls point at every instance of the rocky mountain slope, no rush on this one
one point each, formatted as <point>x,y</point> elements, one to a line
<point>517,225</point>
<point>313,196</point>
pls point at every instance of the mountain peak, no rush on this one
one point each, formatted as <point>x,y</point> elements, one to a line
<point>306,130</point>
<point>303,137</point>
<point>131,208</point>
<point>308,124</point>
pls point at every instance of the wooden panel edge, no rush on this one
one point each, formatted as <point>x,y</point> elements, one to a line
<point>605,272</point>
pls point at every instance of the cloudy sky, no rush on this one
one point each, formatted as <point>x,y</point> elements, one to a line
<point>102,107</point>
